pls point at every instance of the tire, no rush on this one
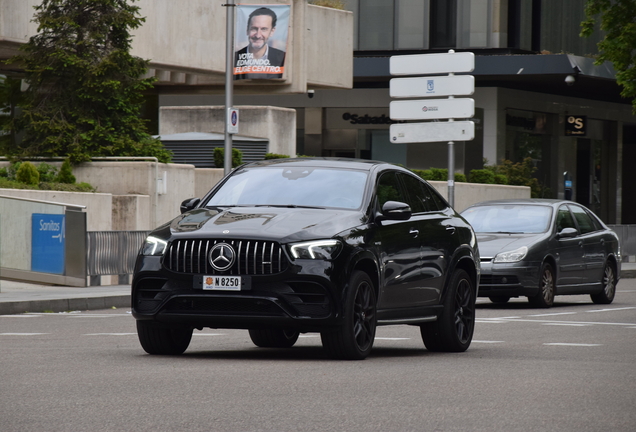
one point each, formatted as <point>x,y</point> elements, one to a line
<point>273,338</point>
<point>609,286</point>
<point>453,331</point>
<point>163,340</point>
<point>545,297</point>
<point>354,339</point>
<point>499,299</point>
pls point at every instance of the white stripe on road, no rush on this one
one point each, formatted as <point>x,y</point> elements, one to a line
<point>553,314</point>
<point>572,344</point>
<point>488,342</point>
<point>566,324</point>
<point>611,310</point>
<point>22,334</point>
<point>110,334</point>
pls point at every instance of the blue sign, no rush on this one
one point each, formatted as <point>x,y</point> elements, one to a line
<point>48,243</point>
<point>430,86</point>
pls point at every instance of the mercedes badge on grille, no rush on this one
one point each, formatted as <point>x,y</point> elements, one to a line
<point>222,257</point>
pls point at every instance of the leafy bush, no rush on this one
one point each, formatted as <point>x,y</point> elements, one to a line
<point>219,157</point>
<point>438,174</point>
<point>501,179</point>
<point>269,156</point>
<point>4,173</point>
<point>47,172</point>
<point>66,187</point>
<point>66,174</point>
<point>460,178</point>
<point>28,174</point>
<point>482,176</point>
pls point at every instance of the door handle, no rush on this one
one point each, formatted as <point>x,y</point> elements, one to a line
<point>414,232</point>
<point>451,229</point>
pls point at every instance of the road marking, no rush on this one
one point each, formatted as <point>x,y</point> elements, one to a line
<point>553,314</point>
<point>22,334</point>
<point>566,324</point>
<point>572,344</point>
<point>611,309</point>
<point>19,316</point>
<point>488,342</point>
<point>391,339</point>
<point>508,320</point>
<point>490,321</point>
<point>110,334</point>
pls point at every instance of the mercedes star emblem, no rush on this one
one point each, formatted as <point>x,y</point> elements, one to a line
<point>222,257</point>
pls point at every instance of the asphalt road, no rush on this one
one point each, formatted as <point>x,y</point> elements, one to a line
<point>568,368</point>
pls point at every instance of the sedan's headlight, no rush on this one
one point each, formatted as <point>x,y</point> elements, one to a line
<point>319,249</point>
<point>154,246</point>
<point>512,256</point>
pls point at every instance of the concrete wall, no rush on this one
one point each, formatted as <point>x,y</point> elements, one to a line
<point>205,179</point>
<point>278,125</point>
<point>467,194</point>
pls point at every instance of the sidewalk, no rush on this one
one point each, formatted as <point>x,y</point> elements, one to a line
<point>19,297</point>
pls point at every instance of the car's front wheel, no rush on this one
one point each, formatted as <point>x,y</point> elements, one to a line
<point>354,339</point>
<point>609,287</point>
<point>545,297</point>
<point>163,340</point>
<point>453,331</point>
<point>273,338</point>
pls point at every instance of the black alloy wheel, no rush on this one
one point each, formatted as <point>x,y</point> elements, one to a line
<point>159,339</point>
<point>609,286</point>
<point>354,339</point>
<point>273,338</point>
<point>545,297</point>
<point>453,331</point>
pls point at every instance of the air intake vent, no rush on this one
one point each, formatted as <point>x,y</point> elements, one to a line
<point>251,257</point>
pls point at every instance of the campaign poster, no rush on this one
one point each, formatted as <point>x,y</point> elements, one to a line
<point>260,42</point>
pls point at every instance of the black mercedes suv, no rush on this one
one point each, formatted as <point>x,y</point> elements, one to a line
<point>291,246</point>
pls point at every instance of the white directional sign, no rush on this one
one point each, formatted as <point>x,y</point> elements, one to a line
<point>424,64</point>
<point>432,86</point>
<point>431,109</point>
<point>402,133</point>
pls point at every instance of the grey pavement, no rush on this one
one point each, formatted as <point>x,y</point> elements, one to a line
<point>19,297</point>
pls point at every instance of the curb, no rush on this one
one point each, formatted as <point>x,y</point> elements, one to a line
<point>64,305</point>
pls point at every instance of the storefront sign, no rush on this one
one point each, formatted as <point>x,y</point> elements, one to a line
<point>358,118</point>
<point>576,126</point>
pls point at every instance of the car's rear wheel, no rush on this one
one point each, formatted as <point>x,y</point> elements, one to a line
<point>163,340</point>
<point>545,297</point>
<point>273,338</point>
<point>609,287</point>
<point>499,299</point>
<point>354,339</point>
<point>453,331</point>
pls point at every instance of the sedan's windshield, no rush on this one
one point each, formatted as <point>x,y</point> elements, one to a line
<point>515,218</point>
<point>291,187</point>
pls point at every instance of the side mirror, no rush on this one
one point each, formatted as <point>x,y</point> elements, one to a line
<point>567,233</point>
<point>189,204</point>
<point>394,210</point>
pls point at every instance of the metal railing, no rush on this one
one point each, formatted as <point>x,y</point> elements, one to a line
<point>112,252</point>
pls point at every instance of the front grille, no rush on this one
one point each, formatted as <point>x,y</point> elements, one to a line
<point>252,257</point>
<point>498,280</point>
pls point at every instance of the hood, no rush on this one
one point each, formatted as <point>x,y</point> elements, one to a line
<point>491,244</point>
<point>266,223</point>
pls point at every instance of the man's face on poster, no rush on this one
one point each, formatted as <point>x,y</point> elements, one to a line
<point>259,31</point>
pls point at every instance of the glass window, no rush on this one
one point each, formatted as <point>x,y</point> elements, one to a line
<point>389,189</point>
<point>417,198</point>
<point>443,24</point>
<point>296,186</point>
<point>411,26</point>
<point>437,202</point>
<point>376,25</point>
<point>583,220</point>
<point>564,219</point>
<point>512,218</point>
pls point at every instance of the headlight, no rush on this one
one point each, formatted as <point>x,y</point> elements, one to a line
<point>153,246</point>
<point>320,249</point>
<point>512,256</point>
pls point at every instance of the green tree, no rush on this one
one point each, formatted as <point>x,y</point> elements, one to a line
<point>618,21</point>
<point>85,90</point>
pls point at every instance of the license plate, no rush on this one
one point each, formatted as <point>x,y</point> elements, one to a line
<point>223,283</point>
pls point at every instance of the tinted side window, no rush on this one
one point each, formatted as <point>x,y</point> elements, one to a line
<point>564,219</point>
<point>583,220</point>
<point>418,199</point>
<point>389,189</point>
<point>437,202</point>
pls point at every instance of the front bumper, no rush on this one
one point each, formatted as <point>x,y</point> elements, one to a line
<point>305,296</point>
<point>509,279</point>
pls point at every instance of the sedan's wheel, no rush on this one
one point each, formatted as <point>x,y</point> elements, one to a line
<point>274,338</point>
<point>499,299</point>
<point>158,339</point>
<point>609,287</point>
<point>453,331</point>
<point>354,339</point>
<point>545,297</point>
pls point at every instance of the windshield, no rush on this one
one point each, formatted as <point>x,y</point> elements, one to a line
<point>290,187</point>
<point>518,218</point>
